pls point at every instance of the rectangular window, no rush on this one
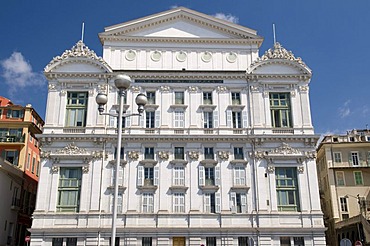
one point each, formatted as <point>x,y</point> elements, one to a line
<point>148,176</point>
<point>122,152</point>
<point>14,113</point>
<point>358,177</point>
<point>119,203</point>
<point>179,153</point>
<point>179,176</point>
<point>179,119</point>
<point>208,153</point>
<point>38,168</point>
<point>146,241</point>
<point>285,241</point>
<point>354,158</point>
<point>33,165</point>
<point>242,241</point>
<point>117,241</point>
<point>343,204</point>
<point>207,98</point>
<point>287,189</point>
<point>238,202</point>
<point>72,241</point>
<point>148,203</point>
<point>238,153</point>
<point>179,202</point>
<point>179,97</point>
<point>237,119</point>
<point>120,175</point>
<point>337,157</point>
<point>209,175</point>
<point>57,241</point>
<point>298,241</point>
<point>69,189</point>
<point>210,241</point>
<point>151,97</point>
<point>235,98</point>
<point>150,119</point>
<point>280,109</point>
<point>340,178</point>
<point>11,156</point>
<point>28,161</point>
<point>76,109</point>
<point>239,176</point>
<point>149,153</point>
<point>208,119</point>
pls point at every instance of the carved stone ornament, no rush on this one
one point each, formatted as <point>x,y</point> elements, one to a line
<point>85,169</point>
<point>193,89</point>
<point>163,155</point>
<point>255,88</point>
<point>221,89</point>
<point>71,149</point>
<point>102,87</point>
<point>63,92</point>
<point>223,155</point>
<point>270,169</point>
<point>285,149</point>
<point>303,88</point>
<point>52,87</point>
<point>300,169</point>
<point>97,154</point>
<point>194,155</point>
<point>310,154</point>
<point>279,52</point>
<point>77,51</point>
<point>45,154</point>
<point>258,154</point>
<point>135,89</point>
<point>133,155</point>
<point>54,169</point>
<point>165,88</point>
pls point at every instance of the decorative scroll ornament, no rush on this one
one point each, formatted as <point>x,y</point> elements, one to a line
<point>133,155</point>
<point>258,154</point>
<point>77,51</point>
<point>85,169</point>
<point>300,169</point>
<point>311,154</point>
<point>223,155</point>
<point>45,154</point>
<point>71,149</point>
<point>102,87</point>
<point>135,89</point>
<point>194,155</point>
<point>54,169</point>
<point>303,88</point>
<point>163,155</point>
<point>285,149</point>
<point>165,88</point>
<point>221,89</point>
<point>270,169</point>
<point>52,87</point>
<point>255,88</point>
<point>193,89</point>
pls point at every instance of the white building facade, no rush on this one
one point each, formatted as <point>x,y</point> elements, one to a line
<point>224,153</point>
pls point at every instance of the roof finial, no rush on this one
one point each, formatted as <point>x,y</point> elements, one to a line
<point>274,33</point>
<point>83,31</point>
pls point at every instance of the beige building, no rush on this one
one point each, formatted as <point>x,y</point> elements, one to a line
<point>344,177</point>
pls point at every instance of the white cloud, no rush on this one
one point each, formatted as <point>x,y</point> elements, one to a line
<point>18,74</point>
<point>344,110</point>
<point>174,6</point>
<point>227,17</point>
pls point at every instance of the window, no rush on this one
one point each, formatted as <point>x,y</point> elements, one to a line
<point>151,97</point>
<point>287,189</point>
<point>209,173</point>
<point>150,119</point>
<point>208,119</point>
<point>207,98</point>
<point>179,202</point>
<point>146,241</point>
<point>120,175</point>
<point>298,241</point>
<point>242,241</point>
<point>38,168</point>
<point>15,199</point>
<point>148,202</point>
<point>235,98</point>
<point>340,178</point>
<point>28,161</point>
<point>210,241</point>
<point>343,204</point>
<point>179,153</point>
<point>33,164</point>
<point>72,241</point>
<point>179,118</point>
<point>208,153</point>
<point>337,157</point>
<point>149,153</point>
<point>76,109</point>
<point>238,202</point>
<point>69,189</point>
<point>237,119</point>
<point>148,176</point>
<point>11,156</point>
<point>116,242</point>
<point>57,241</point>
<point>280,109</point>
<point>239,176</point>
<point>14,113</point>
<point>212,202</point>
<point>119,203</point>
<point>179,176</point>
<point>179,97</point>
<point>285,241</point>
<point>122,152</point>
<point>358,177</point>
<point>238,153</point>
<point>31,138</point>
<point>354,158</point>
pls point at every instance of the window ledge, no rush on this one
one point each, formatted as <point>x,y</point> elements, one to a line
<point>208,162</point>
<point>236,107</point>
<point>147,187</point>
<point>240,187</point>
<point>182,106</point>
<point>113,162</point>
<point>207,107</point>
<point>237,161</point>
<point>179,161</point>
<point>179,188</point>
<point>151,107</point>
<point>209,187</point>
<point>120,187</point>
<point>148,162</point>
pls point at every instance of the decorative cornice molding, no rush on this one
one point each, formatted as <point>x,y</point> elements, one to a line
<point>164,155</point>
<point>221,89</point>
<point>223,155</point>
<point>133,155</point>
<point>194,155</point>
<point>284,149</point>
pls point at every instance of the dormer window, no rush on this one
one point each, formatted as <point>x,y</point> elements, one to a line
<point>280,110</point>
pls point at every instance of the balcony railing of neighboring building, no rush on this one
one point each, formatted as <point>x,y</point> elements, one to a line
<point>12,139</point>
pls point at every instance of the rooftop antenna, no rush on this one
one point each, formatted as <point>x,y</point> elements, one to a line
<point>274,33</point>
<point>83,32</point>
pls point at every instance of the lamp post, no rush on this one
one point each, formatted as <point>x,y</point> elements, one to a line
<point>122,82</point>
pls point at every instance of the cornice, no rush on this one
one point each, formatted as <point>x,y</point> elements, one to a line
<point>255,77</point>
<point>55,75</point>
<point>186,75</point>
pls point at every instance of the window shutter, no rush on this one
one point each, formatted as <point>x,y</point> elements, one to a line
<point>242,177</point>
<point>120,176</point>
<point>8,113</point>
<point>142,120</point>
<point>157,118</point>
<point>228,118</point>
<point>151,203</point>
<point>218,202</point>
<point>156,175</point>
<point>217,175</point>
<point>201,175</point>
<point>128,119</point>
<point>350,158</point>
<point>236,176</point>
<point>140,176</point>
<point>215,119</point>
<point>111,203</point>
<point>21,113</point>
<point>245,119</point>
<point>112,119</point>
<point>207,202</point>
<point>233,202</point>
<point>243,201</point>
<point>113,175</point>
<point>119,203</point>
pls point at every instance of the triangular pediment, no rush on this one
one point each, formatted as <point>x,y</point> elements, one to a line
<point>180,23</point>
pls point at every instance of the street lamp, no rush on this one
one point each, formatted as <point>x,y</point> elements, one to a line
<point>122,82</point>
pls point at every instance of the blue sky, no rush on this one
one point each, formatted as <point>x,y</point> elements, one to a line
<point>331,36</point>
